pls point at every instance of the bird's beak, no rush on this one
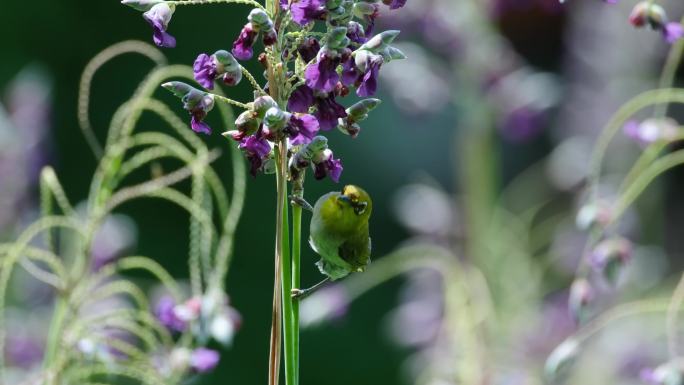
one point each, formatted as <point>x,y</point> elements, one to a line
<point>345,199</point>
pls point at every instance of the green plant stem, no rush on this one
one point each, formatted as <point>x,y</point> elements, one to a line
<point>55,333</point>
<point>286,268</point>
<point>230,101</point>
<point>276,319</point>
<point>200,2</point>
<point>298,191</point>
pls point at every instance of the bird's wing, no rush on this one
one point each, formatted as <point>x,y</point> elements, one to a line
<point>356,253</point>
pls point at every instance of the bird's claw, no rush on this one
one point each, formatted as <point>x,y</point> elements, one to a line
<point>298,293</point>
<point>301,202</point>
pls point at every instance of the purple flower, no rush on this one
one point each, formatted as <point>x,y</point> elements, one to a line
<point>309,49</point>
<point>673,31</point>
<point>204,360</point>
<point>165,313</point>
<point>24,351</point>
<point>243,47</point>
<point>356,33</point>
<point>305,11</point>
<point>301,99</point>
<point>328,111</point>
<point>322,75</point>
<point>257,150</point>
<point>349,71</point>
<point>209,68</point>
<point>328,166</point>
<point>159,17</point>
<point>302,129</point>
<point>394,4</point>
<point>369,81</point>
<point>205,70</point>
<point>198,104</point>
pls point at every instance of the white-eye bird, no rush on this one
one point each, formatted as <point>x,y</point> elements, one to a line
<point>339,234</point>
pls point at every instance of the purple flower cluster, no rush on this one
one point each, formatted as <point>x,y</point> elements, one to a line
<point>313,71</point>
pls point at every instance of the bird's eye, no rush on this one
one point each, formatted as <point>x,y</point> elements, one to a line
<point>360,208</point>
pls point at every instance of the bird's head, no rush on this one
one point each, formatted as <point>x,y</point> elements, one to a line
<point>356,199</point>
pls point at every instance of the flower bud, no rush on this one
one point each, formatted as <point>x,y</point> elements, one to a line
<point>380,41</point>
<point>593,214</point>
<point>359,111</point>
<point>270,37</point>
<point>246,124</point>
<point>647,12</point>
<point>263,104</point>
<point>275,118</point>
<point>347,128</point>
<point>179,89</point>
<point>392,53</point>
<point>337,38</point>
<point>560,361</point>
<point>363,8</point>
<point>260,20</point>
<point>333,4</point>
<point>610,256</point>
<point>141,5</point>
<point>581,295</point>
<point>229,67</point>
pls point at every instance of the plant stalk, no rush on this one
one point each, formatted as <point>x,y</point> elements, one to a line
<point>298,191</point>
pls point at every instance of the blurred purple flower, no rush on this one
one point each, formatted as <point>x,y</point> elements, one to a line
<point>23,351</point>
<point>369,80</point>
<point>329,303</point>
<point>165,312</point>
<point>673,31</point>
<point>522,124</point>
<point>204,360</point>
<point>305,11</point>
<point>395,4</point>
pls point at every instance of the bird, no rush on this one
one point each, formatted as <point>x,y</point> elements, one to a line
<point>339,234</point>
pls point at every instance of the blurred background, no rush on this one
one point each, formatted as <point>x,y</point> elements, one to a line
<point>540,78</point>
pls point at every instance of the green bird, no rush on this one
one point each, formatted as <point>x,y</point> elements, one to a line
<point>339,234</point>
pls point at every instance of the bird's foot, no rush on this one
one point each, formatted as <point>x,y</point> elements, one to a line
<point>299,293</point>
<point>301,202</point>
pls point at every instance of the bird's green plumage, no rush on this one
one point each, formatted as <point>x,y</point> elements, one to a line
<point>339,231</point>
